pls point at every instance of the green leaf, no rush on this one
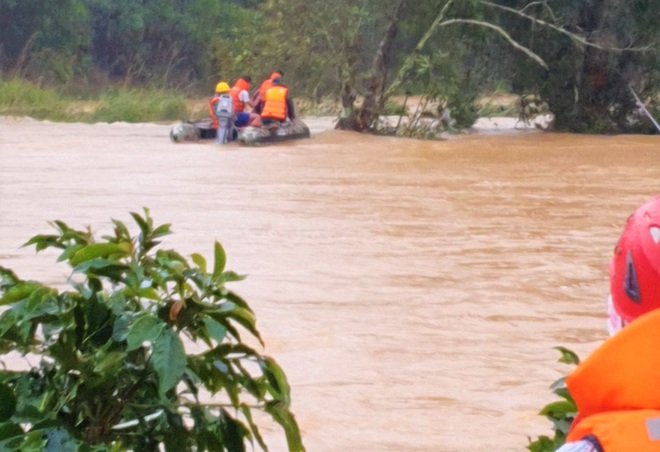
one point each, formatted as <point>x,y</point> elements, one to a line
<point>231,296</point>
<point>246,318</point>
<point>559,410</point>
<point>277,380</point>
<point>121,328</point>
<point>148,292</point>
<point>568,356</point>
<point>42,242</point>
<point>220,260</point>
<point>543,444</point>
<point>216,330</point>
<point>65,351</point>
<point>145,329</point>
<point>7,278</point>
<point>168,360</point>
<point>142,223</point>
<point>283,416</point>
<point>99,263</point>
<point>68,252</point>
<point>121,230</point>
<point>19,292</point>
<point>7,403</point>
<point>199,260</point>
<point>230,277</point>
<point>34,442</point>
<point>9,430</point>
<point>162,230</point>
<point>558,384</point>
<point>61,226</point>
<point>96,250</point>
<point>233,432</point>
<point>563,393</point>
<point>247,413</point>
<point>41,302</point>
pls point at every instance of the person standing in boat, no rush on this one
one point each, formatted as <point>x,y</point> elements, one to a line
<point>222,88</point>
<point>260,95</point>
<point>278,106</point>
<point>615,389</point>
<point>221,112</point>
<point>241,97</point>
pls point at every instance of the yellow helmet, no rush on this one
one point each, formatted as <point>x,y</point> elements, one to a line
<point>222,88</point>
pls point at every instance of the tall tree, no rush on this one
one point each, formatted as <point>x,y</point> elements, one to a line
<point>597,51</point>
<point>151,41</point>
<point>43,39</point>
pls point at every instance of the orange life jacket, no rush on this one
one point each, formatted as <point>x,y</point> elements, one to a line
<point>265,86</point>
<point>214,119</point>
<point>240,85</point>
<point>275,103</point>
<point>616,391</point>
<point>622,431</point>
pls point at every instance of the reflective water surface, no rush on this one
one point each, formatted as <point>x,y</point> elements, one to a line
<point>413,291</point>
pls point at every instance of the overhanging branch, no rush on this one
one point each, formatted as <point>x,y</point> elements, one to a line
<point>577,38</point>
<point>503,33</point>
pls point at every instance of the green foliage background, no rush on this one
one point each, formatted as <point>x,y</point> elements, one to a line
<point>78,46</point>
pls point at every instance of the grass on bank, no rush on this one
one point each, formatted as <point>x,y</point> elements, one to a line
<point>20,98</point>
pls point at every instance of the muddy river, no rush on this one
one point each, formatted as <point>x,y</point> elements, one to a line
<point>413,291</point>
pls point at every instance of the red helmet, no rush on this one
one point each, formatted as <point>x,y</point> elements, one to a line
<point>635,267</point>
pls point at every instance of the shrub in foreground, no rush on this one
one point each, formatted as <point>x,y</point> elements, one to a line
<point>561,413</point>
<point>114,373</point>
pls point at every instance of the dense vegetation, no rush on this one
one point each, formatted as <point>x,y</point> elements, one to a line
<point>145,351</point>
<point>582,59</point>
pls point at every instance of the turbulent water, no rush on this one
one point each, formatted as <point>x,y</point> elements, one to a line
<point>413,291</point>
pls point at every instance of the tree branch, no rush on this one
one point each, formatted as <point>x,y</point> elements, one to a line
<point>545,6</point>
<point>572,36</point>
<point>418,48</point>
<point>504,34</point>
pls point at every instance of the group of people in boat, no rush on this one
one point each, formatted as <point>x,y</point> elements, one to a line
<point>233,107</point>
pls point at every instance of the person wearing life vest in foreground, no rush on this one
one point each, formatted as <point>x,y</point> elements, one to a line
<point>616,389</point>
<point>221,88</point>
<point>260,94</point>
<point>241,98</point>
<point>278,106</point>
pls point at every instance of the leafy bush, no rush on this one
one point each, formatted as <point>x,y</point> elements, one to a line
<point>561,413</point>
<point>114,373</point>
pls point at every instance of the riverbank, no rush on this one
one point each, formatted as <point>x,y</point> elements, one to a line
<point>18,98</point>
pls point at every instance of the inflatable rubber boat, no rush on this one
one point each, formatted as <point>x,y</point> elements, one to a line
<point>202,130</point>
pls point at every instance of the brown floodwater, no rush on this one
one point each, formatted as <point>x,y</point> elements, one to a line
<point>413,291</point>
